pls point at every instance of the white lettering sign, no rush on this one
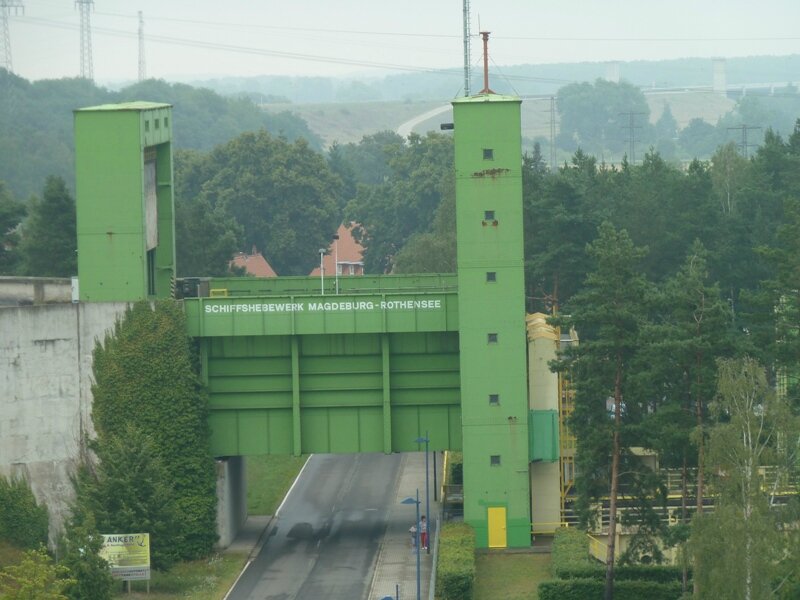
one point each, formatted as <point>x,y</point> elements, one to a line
<point>324,306</point>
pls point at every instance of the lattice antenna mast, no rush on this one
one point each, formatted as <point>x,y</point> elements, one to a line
<point>85,9</point>
<point>7,7</point>
<point>467,52</point>
<point>142,69</point>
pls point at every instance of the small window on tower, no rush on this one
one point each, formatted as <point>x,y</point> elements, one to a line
<point>494,399</point>
<point>488,215</point>
<point>494,460</point>
<point>491,276</point>
<point>488,154</point>
<point>492,338</point>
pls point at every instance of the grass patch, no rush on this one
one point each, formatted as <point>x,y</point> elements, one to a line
<point>207,579</point>
<point>510,576</point>
<point>268,480</point>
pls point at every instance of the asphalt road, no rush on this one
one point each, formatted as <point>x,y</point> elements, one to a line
<point>325,539</point>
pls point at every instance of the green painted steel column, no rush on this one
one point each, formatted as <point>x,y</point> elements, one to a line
<point>387,395</point>
<point>491,301</point>
<point>296,440</point>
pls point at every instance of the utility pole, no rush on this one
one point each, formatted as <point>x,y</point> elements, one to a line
<point>632,127</point>
<point>744,129</point>
<point>84,9</point>
<point>142,69</point>
<point>552,134</point>
<point>467,58</point>
<point>6,8</point>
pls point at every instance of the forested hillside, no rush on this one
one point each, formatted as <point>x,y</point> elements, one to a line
<point>523,79</point>
<point>36,123</point>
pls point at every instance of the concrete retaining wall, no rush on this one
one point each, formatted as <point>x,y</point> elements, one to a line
<point>17,291</point>
<point>45,393</point>
<point>46,403</point>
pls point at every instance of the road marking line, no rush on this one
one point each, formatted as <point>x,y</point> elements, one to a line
<point>294,483</point>
<point>249,562</point>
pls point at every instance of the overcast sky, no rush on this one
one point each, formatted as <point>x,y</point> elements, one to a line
<point>187,39</point>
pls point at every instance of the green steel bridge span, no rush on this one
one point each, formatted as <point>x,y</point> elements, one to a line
<point>292,371</point>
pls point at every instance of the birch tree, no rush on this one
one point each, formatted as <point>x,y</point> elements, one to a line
<point>747,550</point>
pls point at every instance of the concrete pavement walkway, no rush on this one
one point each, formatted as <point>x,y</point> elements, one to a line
<point>397,560</point>
<point>249,537</point>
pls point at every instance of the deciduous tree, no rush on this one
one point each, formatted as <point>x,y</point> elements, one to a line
<point>745,545</point>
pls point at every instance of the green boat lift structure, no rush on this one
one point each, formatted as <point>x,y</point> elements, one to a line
<point>294,367</point>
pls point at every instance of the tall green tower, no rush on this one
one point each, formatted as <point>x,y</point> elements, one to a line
<point>125,208</point>
<point>491,301</point>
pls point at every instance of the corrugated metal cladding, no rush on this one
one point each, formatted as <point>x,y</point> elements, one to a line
<point>334,393</point>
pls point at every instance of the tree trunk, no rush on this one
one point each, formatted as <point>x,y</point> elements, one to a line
<point>701,461</point>
<point>684,493</point>
<point>612,500</point>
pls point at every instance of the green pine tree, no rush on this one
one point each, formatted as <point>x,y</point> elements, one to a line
<point>608,314</point>
<point>81,550</point>
<point>128,491</point>
<point>49,239</point>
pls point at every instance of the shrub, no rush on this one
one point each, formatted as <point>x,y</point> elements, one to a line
<point>592,589</point>
<point>570,551</point>
<point>456,465</point>
<point>34,577</point>
<point>654,573</point>
<point>23,522</point>
<point>456,567</point>
<point>91,577</point>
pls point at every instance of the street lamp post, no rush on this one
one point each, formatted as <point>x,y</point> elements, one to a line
<point>321,272</point>
<point>426,440</point>
<point>336,260</point>
<point>410,500</point>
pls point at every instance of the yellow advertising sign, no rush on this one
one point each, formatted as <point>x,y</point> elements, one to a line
<point>128,555</point>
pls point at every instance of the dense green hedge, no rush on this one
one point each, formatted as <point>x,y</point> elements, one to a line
<point>655,573</point>
<point>570,550</point>
<point>23,522</point>
<point>456,567</point>
<point>592,589</point>
<point>146,378</point>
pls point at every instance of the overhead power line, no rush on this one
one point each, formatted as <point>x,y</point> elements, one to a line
<point>445,36</point>
<point>650,39</point>
<point>161,39</point>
